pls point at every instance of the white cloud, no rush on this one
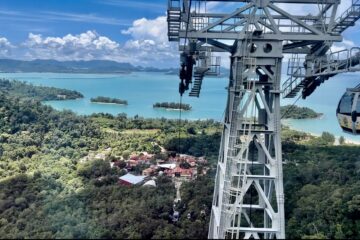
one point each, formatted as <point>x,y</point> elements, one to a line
<point>148,46</point>
<point>345,44</point>
<point>5,47</point>
<point>154,29</point>
<point>85,46</point>
<point>149,43</point>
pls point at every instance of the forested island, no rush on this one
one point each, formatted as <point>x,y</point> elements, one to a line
<point>40,93</point>
<point>172,105</point>
<point>44,179</point>
<point>295,112</point>
<point>108,100</point>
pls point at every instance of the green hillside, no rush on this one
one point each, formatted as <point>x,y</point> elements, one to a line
<point>48,190</point>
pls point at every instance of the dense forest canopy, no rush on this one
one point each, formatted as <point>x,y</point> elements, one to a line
<point>43,180</point>
<point>101,99</point>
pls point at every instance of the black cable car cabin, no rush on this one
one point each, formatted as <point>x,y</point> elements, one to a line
<point>348,111</point>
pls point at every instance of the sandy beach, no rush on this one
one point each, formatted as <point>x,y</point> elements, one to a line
<point>336,143</point>
<point>351,142</point>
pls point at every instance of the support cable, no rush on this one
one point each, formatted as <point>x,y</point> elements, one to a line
<point>180,110</point>
<point>179,126</point>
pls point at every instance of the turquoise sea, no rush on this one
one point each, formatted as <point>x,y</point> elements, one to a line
<point>142,89</point>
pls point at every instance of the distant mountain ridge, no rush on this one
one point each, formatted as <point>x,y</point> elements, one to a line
<point>93,66</point>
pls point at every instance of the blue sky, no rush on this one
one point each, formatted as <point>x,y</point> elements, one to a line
<point>60,17</point>
<point>121,30</point>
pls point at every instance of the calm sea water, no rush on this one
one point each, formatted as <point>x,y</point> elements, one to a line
<point>142,90</point>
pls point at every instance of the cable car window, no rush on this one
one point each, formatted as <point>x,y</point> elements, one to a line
<point>346,103</point>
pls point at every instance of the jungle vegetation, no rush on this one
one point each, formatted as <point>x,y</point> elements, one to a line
<point>43,180</point>
<point>47,190</point>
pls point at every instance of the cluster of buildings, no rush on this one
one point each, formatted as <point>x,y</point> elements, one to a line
<point>180,168</point>
<point>138,159</point>
<point>130,179</point>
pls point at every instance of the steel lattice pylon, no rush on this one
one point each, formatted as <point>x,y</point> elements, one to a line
<point>249,171</point>
<point>248,198</point>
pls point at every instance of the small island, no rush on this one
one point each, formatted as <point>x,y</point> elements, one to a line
<point>173,106</point>
<point>295,112</point>
<point>108,100</point>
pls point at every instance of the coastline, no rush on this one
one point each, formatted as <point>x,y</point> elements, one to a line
<point>347,141</point>
<point>336,143</point>
<point>352,142</point>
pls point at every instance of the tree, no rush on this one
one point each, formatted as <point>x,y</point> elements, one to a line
<point>191,130</point>
<point>126,154</point>
<point>328,137</point>
<point>341,140</point>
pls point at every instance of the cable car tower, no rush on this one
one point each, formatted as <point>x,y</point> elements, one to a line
<point>248,199</point>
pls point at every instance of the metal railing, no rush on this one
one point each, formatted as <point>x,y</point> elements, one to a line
<point>337,62</point>
<point>296,66</point>
<point>348,14</point>
<point>212,63</point>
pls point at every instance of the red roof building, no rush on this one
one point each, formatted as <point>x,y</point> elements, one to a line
<point>181,172</point>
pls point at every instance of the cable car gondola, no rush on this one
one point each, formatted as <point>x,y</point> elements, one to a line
<point>348,111</point>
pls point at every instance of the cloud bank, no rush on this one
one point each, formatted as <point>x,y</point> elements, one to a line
<point>85,46</point>
<point>147,46</point>
<point>149,42</point>
<point>5,47</point>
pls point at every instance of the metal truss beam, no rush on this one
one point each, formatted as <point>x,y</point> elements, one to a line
<point>234,35</point>
<point>244,16</point>
<point>248,200</point>
<point>250,165</point>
